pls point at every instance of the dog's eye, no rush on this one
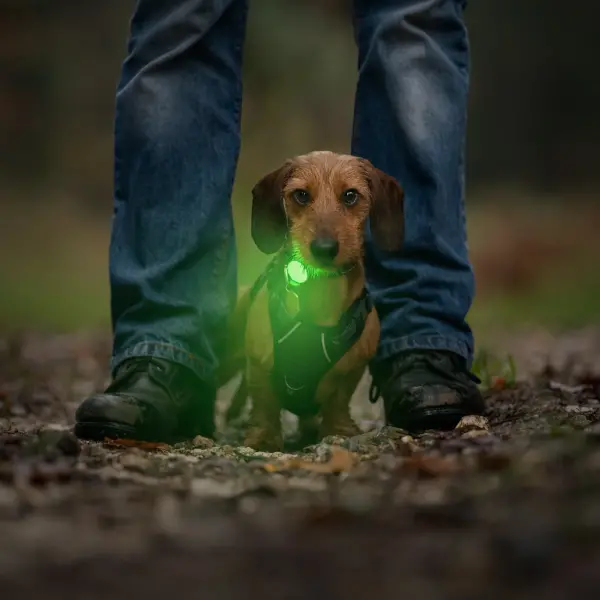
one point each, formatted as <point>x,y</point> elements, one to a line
<point>301,196</point>
<point>350,197</point>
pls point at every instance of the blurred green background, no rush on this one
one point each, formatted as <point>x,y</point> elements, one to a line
<point>533,148</point>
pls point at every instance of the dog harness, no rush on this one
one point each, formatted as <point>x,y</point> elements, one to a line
<point>304,352</point>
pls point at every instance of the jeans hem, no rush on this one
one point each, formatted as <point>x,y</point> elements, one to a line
<point>391,348</point>
<point>165,351</point>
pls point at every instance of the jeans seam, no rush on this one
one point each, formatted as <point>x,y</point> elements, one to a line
<point>388,348</point>
<point>171,352</point>
<point>222,248</point>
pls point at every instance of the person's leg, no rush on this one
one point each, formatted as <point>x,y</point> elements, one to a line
<point>410,120</point>
<point>172,253</point>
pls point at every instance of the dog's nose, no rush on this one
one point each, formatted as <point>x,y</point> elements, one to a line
<point>324,249</point>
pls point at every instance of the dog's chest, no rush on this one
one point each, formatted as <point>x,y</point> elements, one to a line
<point>297,352</point>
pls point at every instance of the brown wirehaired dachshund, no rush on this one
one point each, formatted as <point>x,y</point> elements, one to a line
<point>304,346</point>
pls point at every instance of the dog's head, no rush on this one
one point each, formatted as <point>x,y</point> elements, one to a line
<point>319,203</point>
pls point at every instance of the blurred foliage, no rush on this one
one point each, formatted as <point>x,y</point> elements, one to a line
<point>534,132</point>
<point>535,103</point>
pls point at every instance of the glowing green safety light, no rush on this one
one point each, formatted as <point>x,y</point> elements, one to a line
<point>296,272</point>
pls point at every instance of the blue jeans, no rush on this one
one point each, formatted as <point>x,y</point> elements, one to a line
<point>177,138</point>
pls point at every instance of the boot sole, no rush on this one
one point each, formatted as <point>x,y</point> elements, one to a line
<point>97,432</point>
<point>441,419</point>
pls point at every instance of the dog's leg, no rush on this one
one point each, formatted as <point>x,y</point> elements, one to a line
<point>264,431</point>
<point>335,394</point>
<point>308,429</point>
<point>238,402</point>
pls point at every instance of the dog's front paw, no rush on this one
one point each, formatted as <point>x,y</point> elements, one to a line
<point>265,440</point>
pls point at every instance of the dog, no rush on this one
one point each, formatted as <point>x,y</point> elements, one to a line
<point>304,346</point>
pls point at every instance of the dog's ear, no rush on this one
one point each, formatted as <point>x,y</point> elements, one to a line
<point>269,222</point>
<point>387,209</point>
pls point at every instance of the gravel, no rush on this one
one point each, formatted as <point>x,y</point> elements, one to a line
<point>505,506</point>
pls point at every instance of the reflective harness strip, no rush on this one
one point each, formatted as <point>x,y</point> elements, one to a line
<point>304,352</point>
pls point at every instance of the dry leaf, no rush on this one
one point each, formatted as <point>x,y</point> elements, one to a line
<point>498,384</point>
<point>341,461</point>
<point>126,443</point>
<point>271,468</point>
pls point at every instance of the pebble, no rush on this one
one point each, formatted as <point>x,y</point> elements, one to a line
<point>471,422</point>
<point>579,410</point>
<point>202,442</point>
<point>579,421</point>
<point>336,440</point>
<point>54,440</point>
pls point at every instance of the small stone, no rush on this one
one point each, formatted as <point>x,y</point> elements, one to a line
<point>579,410</point>
<point>391,433</point>
<point>408,445</point>
<point>201,452</point>
<point>53,440</point>
<point>246,451</point>
<point>568,389</point>
<point>202,442</point>
<point>226,450</point>
<point>364,442</point>
<point>336,440</point>
<point>323,452</point>
<point>579,422</point>
<point>470,422</point>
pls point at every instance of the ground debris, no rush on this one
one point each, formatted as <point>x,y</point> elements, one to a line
<point>431,466</point>
<point>340,461</point>
<point>471,422</point>
<point>505,505</point>
<point>126,443</point>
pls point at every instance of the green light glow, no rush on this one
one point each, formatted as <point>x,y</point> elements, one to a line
<point>296,272</point>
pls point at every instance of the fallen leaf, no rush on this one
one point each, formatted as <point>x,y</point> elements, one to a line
<point>126,443</point>
<point>271,468</point>
<point>341,461</point>
<point>498,384</point>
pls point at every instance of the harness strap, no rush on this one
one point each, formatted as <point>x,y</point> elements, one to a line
<point>304,352</point>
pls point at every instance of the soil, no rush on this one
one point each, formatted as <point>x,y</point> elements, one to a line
<point>505,506</point>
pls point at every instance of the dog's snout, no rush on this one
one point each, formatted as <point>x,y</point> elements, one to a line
<point>324,249</point>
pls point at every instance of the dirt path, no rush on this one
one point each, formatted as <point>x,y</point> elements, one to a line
<point>503,507</point>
